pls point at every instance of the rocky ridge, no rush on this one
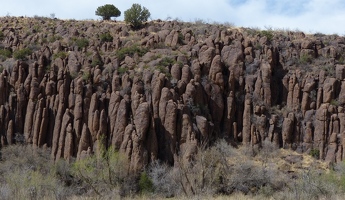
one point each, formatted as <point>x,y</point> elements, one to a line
<point>162,91</point>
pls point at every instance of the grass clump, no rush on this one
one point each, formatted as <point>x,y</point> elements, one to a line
<point>305,58</point>
<point>130,51</point>
<point>145,183</point>
<point>54,38</point>
<point>102,172</point>
<point>22,53</point>
<point>60,54</point>
<point>96,62</point>
<point>106,37</point>
<point>5,53</point>
<point>268,34</point>
<point>315,153</point>
<point>82,42</point>
<point>167,61</point>
<point>2,35</point>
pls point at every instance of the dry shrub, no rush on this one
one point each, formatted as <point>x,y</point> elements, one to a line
<point>27,173</point>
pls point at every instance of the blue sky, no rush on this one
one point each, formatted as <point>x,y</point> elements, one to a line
<point>310,16</point>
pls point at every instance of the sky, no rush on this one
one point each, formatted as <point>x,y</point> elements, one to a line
<point>310,16</point>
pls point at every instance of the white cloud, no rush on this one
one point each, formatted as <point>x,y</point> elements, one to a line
<point>306,15</point>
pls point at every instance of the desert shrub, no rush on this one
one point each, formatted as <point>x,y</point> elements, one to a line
<point>122,70</point>
<point>130,51</point>
<point>82,42</point>
<point>136,15</point>
<point>60,54</point>
<point>305,58</point>
<point>22,53</point>
<point>102,172</point>
<point>5,53</point>
<point>86,76</point>
<point>329,70</point>
<point>106,37</point>
<point>54,38</point>
<point>167,61</point>
<point>219,170</point>
<point>315,153</point>
<point>310,185</point>
<point>145,183</point>
<point>27,173</point>
<point>164,180</point>
<point>96,62</point>
<point>2,36</point>
<point>107,11</point>
<point>268,33</point>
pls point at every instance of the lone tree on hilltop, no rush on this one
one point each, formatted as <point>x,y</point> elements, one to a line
<point>107,11</point>
<point>136,15</point>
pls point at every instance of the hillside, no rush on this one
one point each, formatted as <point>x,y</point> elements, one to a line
<point>164,90</point>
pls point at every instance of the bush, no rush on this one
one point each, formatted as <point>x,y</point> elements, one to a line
<point>268,34</point>
<point>136,15</point>
<point>145,183</point>
<point>107,11</point>
<point>60,54</point>
<point>96,62</point>
<point>28,173</point>
<point>305,58</point>
<point>5,53</point>
<point>315,153</point>
<point>106,37</point>
<point>82,42</point>
<point>167,61</point>
<point>2,36</point>
<point>135,49</point>
<point>102,172</point>
<point>22,53</point>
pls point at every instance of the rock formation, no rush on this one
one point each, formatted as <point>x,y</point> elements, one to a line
<point>166,89</point>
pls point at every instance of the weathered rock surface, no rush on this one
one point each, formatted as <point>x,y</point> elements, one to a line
<point>178,89</point>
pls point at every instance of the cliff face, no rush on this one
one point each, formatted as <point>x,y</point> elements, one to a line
<point>159,92</point>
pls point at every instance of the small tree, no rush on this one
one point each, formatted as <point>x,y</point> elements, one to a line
<point>136,15</point>
<point>107,11</point>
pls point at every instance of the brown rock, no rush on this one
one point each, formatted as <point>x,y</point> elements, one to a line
<point>120,124</point>
<point>66,120</point>
<point>206,55</point>
<point>246,122</point>
<point>328,89</point>
<point>287,130</point>
<point>85,141</point>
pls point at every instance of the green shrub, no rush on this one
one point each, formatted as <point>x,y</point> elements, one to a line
<point>268,34</point>
<point>130,51</point>
<point>86,76</point>
<point>5,52</point>
<point>329,70</point>
<point>167,61</point>
<point>22,53</point>
<point>106,37</point>
<point>60,54</point>
<point>82,42</point>
<point>335,102</point>
<point>2,36</point>
<point>96,62</point>
<point>54,38</point>
<point>315,153</point>
<point>103,171</point>
<point>122,70</point>
<point>305,58</point>
<point>145,183</point>
<point>136,15</point>
<point>107,11</point>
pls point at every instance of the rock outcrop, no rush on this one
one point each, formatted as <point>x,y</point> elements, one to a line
<point>160,92</point>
